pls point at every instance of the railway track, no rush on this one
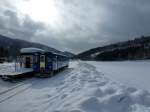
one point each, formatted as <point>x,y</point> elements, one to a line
<point>9,93</point>
<point>16,86</point>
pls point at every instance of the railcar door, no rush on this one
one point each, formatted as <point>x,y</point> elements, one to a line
<point>42,63</point>
<point>28,62</point>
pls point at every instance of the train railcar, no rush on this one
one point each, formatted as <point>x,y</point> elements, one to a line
<point>44,63</point>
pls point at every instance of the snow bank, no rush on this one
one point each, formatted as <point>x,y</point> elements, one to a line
<point>80,88</point>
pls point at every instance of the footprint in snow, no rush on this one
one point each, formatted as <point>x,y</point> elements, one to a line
<point>75,89</point>
<point>109,91</point>
<point>102,83</point>
<point>131,90</point>
<point>63,96</point>
<point>91,105</point>
<point>98,93</point>
<point>75,111</point>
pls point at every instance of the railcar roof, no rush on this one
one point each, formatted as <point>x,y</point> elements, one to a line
<point>31,50</point>
<point>57,53</point>
<point>37,50</point>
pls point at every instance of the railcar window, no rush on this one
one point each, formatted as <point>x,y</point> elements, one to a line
<point>42,58</point>
<point>48,59</point>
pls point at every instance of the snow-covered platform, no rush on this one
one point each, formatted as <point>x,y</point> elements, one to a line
<point>18,72</point>
<point>9,70</point>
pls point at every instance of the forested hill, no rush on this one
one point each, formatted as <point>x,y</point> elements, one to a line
<point>11,47</point>
<point>139,48</point>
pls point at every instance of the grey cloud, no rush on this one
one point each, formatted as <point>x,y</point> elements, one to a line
<point>85,24</point>
<point>18,28</point>
<point>113,20</point>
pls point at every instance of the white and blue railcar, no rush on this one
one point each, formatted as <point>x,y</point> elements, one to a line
<point>43,62</point>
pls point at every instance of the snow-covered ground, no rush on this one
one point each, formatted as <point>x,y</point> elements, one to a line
<point>130,73</point>
<point>80,88</point>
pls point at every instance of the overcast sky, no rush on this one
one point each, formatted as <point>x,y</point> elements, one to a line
<point>75,25</point>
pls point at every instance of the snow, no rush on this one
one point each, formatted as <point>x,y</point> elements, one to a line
<point>129,73</point>
<point>80,88</point>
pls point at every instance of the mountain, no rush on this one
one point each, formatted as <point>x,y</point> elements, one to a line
<point>69,54</point>
<point>139,48</point>
<point>11,47</point>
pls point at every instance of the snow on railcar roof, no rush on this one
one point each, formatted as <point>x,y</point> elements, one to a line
<point>59,54</point>
<point>31,50</point>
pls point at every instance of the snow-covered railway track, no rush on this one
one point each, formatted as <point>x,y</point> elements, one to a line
<point>7,94</point>
<point>14,87</point>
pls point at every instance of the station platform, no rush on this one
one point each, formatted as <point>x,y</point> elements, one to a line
<point>13,74</point>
